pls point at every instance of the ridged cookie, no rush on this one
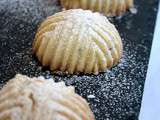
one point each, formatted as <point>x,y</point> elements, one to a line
<point>25,98</point>
<point>108,7</point>
<point>77,41</point>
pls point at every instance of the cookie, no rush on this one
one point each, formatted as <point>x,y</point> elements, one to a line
<point>77,41</point>
<point>108,7</point>
<point>25,98</point>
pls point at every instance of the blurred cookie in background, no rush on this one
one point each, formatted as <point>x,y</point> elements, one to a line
<point>107,7</point>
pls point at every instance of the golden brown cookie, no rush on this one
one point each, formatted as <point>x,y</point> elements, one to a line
<point>77,41</point>
<point>108,7</point>
<point>25,98</point>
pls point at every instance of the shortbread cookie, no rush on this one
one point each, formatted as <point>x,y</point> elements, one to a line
<point>25,98</point>
<point>108,7</point>
<point>77,41</point>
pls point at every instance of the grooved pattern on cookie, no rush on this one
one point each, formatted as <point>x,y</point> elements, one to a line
<point>77,41</point>
<point>108,7</point>
<point>38,99</point>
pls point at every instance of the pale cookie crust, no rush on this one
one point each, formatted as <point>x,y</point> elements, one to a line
<point>25,98</point>
<point>77,41</point>
<point>108,7</point>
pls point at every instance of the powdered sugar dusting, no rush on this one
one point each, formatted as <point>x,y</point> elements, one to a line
<point>117,91</point>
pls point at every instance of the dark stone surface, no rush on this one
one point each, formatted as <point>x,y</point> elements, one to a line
<point>118,92</point>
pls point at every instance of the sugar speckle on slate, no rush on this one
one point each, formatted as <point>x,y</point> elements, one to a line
<point>91,96</point>
<point>133,10</point>
<point>113,95</point>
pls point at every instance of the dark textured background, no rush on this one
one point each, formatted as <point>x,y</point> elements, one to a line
<point>118,92</point>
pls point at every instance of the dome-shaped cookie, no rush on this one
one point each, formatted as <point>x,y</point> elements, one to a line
<point>108,7</point>
<point>77,41</point>
<point>25,98</point>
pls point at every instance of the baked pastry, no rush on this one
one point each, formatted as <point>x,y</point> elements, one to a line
<point>25,98</point>
<point>77,41</point>
<point>108,7</point>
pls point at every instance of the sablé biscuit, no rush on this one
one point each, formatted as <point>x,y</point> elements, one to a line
<point>108,7</point>
<point>77,41</point>
<point>25,98</point>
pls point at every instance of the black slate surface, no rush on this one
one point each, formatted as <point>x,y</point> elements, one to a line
<point>113,95</point>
